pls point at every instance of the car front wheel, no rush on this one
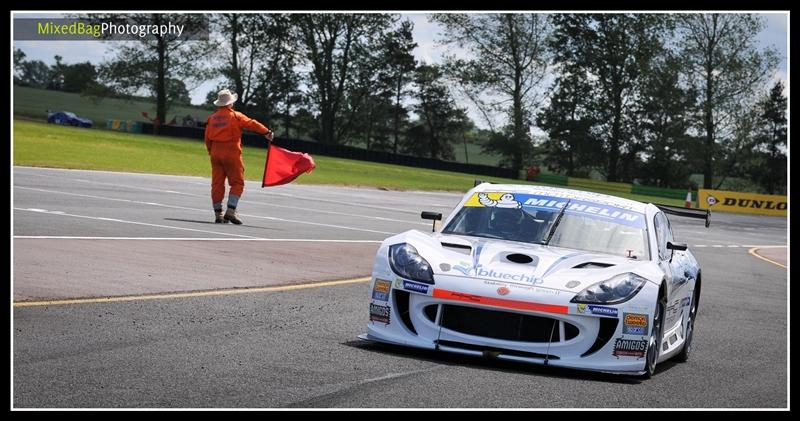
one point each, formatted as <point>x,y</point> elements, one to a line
<point>654,342</point>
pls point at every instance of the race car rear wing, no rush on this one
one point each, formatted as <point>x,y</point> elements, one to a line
<point>686,212</point>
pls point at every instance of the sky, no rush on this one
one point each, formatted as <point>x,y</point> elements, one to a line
<point>426,34</point>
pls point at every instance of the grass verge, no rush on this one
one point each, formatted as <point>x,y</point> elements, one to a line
<point>45,145</point>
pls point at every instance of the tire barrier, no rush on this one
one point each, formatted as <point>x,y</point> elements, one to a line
<point>129,126</point>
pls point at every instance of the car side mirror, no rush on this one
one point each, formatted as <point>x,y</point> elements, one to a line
<point>432,216</point>
<point>676,246</point>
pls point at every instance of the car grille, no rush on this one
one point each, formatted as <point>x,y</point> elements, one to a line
<point>502,325</point>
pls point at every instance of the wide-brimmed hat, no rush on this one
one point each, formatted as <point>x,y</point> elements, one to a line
<point>225,97</point>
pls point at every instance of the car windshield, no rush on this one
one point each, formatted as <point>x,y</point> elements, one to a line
<point>584,226</point>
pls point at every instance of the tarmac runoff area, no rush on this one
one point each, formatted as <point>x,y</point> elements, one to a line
<point>160,307</point>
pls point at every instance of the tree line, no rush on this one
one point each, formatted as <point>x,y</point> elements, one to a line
<point>650,98</point>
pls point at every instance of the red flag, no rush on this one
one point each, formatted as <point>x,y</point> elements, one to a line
<point>283,166</point>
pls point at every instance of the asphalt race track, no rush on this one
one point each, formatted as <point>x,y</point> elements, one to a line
<point>217,315</point>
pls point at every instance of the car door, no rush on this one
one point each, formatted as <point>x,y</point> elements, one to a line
<point>669,262</point>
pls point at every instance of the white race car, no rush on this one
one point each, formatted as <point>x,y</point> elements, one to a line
<point>543,275</point>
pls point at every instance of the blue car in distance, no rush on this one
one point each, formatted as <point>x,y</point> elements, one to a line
<point>67,118</point>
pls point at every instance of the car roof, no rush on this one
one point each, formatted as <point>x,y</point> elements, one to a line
<point>562,192</point>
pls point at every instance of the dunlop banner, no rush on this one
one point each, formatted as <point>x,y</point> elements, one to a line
<point>730,201</point>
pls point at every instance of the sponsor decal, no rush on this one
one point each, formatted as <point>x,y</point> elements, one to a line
<point>380,291</point>
<point>598,310</point>
<point>416,287</point>
<point>529,288</point>
<point>686,301</point>
<point>498,200</point>
<point>503,291</point>
<point>605,311</point>
<point>673,307</point>
<point>516,277</point>
<point>763,204</point>
<point>629,348</point>
<point>638,308</point>
<point>445,267</point>
<point>463,267</point>
<point>635,323</point>
<point>572,284</point>
<point>499,302</point>
<point>379,313</point>
<point>599,209</point>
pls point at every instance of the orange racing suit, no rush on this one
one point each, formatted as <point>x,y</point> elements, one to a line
<point>224,144</point>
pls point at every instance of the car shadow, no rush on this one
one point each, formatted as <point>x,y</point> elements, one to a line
<point>514,367</point>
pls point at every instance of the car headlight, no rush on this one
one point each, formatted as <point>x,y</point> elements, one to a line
<point>616,290</point>
<point>406,262</point>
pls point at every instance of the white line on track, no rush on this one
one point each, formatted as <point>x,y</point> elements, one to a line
<point>255,202</point>
<point>288,240</point>
<point>129,222</point>
<point>207,210</point>
<point>351,204</point>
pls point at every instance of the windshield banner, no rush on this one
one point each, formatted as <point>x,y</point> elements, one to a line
<point>554,204</point>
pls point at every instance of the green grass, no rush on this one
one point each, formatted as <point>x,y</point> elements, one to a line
<point>44,145</point>
<point>34,103</point>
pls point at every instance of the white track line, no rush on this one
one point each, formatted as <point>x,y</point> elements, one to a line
<point>122,221</point>
<point>255,202</point>
<point>207,210</point>
<point>288,240</point>
<point>351,204</point>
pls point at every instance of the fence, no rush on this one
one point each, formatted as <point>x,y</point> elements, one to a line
<point>342,151</point>
<point>350,152</point>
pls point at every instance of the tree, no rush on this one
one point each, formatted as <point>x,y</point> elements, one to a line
<point>178,94</point>
<point>724,66</point>
<point>399,62</point>
<point>611,52</point>
<point>766,160</point>
<point>440,122</point>
<point>664,119</point>
<point>328,42</point>
<point>56,82</point>
<point>568,119</point>
<point>509,62</point>
<point>35,74</point>
<point>258,57</point>
<point>150,63</point>
<point>78,77</point>
<point>19,60</point>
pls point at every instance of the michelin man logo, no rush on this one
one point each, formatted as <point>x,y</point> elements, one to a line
<point>506,201</point>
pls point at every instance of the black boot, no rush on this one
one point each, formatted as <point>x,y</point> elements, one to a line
<point>232,216</point>
<point>219,219</point>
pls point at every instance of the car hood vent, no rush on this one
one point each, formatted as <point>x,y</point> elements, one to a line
<point>593,265</point>
<point>461,248</point>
